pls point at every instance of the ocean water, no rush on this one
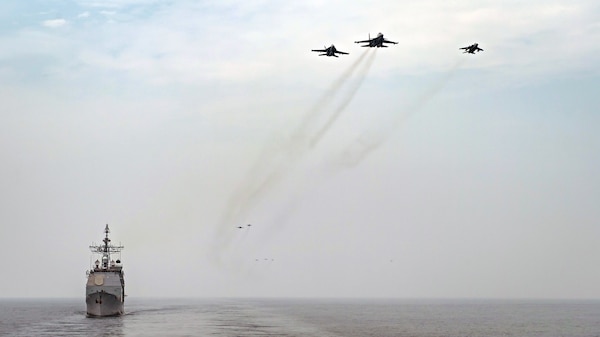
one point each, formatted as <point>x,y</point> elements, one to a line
<point>305,317</point>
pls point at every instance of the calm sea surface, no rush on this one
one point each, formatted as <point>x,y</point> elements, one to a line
<point>306,317</point>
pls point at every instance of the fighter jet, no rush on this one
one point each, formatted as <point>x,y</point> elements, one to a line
<point>329,51</point>
<point>471,49</point>
<point>376,41</point>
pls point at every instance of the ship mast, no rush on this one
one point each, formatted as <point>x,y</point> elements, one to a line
<point>106,249</point>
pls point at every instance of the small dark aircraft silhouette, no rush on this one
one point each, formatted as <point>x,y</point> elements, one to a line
<point>329,51</point>
<point>376,41</point>
<point>471,49</point>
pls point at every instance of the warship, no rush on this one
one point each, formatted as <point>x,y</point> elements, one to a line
<point>105,288</point>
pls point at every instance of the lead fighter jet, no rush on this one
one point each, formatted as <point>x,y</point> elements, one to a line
<point>376,41</point>
<point>471,49</point>
<point>329,51</point>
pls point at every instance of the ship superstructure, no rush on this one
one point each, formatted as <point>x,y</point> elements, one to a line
<point>105,288</point>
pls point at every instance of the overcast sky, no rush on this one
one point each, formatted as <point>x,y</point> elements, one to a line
<point>408,171</point>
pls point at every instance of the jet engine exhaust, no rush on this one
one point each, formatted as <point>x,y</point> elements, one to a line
<point>274,163</point>
<point>346,100</point>
<point>369,141</point>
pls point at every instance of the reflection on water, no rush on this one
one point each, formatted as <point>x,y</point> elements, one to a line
<point>310,317</point>
<point>56,317</point>
<point>104,326</point>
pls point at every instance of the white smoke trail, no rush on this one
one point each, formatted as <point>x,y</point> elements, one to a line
<point>275,162</point>
<point>369,141</point>
<point>307,124</point>
<point>365,144</point>
<point>342,106</point>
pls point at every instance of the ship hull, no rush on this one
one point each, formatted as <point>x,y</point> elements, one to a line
<point>105,293</point>
<point>102,304</point>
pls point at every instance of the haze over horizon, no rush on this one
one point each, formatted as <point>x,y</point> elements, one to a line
<point>414,171</point>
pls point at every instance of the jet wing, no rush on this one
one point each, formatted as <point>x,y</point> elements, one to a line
<point>341,52</point>
<point>388,41</point>
<point>320,50</point>
<point>364,41</point>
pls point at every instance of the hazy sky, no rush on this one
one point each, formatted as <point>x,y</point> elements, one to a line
<point>408,171</point>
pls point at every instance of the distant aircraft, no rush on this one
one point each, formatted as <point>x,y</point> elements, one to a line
<point>240,227</point>
<point>471,49</point>
<point>329,51</point>
<point>376,41</point>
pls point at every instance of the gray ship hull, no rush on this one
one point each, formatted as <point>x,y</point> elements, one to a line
<point>105,295</point>
<point>102,304</point>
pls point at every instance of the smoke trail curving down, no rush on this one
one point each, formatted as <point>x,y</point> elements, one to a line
<point>277,160</point>
<point>334,116</point>
<point>369,141</point>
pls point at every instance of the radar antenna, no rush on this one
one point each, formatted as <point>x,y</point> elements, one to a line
<point>106,249</point>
